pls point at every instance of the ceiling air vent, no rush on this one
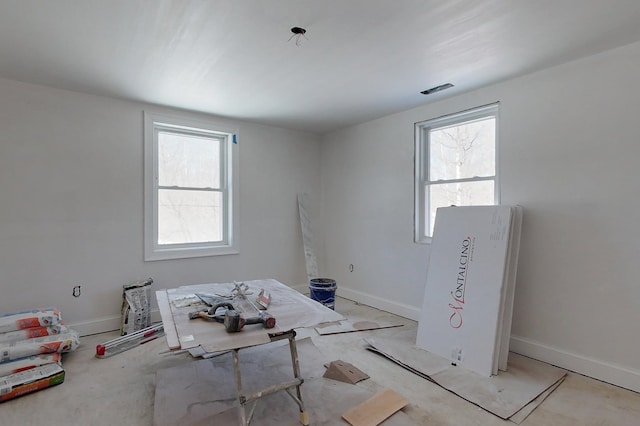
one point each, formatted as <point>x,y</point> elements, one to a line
<point>437,89</point>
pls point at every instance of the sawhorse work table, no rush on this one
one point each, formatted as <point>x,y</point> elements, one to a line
<point>291,309</point>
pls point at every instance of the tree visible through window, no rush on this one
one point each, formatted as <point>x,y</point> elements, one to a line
<point>189,192</point>
<point>455,164</point>
<point>190,188</point>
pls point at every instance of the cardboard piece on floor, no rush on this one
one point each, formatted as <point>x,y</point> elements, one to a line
<point>202,392</point>
<point>376,409</point>
<point>503,395</point>
<point>460,317</point>
<point>522,415</point>
<point>344,372</point>
<point>525,380</point>
<point>353,324</point>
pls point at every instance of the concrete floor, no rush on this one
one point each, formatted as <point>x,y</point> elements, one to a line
<point>120,390</point>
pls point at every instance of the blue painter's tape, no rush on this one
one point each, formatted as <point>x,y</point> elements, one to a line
<point>235,138</point>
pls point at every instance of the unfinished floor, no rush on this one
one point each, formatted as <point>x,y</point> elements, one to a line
<point>120,390</point>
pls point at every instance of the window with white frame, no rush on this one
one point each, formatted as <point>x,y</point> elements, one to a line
<point>190,181</point>
<point>455,164</point>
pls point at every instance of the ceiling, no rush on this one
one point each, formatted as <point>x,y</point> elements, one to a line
<point>361,59</point>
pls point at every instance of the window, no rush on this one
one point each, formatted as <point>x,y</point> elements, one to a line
<point>190,180</point>
<point>455,164</point>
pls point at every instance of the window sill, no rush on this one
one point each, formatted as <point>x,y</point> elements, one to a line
<point>186,253</point>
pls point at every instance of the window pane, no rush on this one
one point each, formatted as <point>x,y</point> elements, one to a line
<point>188,161</point>
<point>463,151</point>
<point>458,194</point>
<point>189,216</point>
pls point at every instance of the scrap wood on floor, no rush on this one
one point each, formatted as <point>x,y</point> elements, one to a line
<point>344,372</point>
<point>511,395</point>
<point>376,409</point>
<point>203,392</point>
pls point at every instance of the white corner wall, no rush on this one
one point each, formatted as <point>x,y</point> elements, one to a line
<point>569,150</point>
<point>71,205</point>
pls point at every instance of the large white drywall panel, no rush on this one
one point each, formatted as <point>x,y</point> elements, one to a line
<point>71,210</point>
<point>464,292</point>
<point>568,152</point>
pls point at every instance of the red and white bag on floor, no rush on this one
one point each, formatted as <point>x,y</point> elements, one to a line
<point>28,319</point>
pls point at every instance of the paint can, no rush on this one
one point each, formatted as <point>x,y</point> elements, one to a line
<point>323,290</point>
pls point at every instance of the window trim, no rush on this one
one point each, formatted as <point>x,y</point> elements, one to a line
<point>421,166</point>
<point>153,122</point>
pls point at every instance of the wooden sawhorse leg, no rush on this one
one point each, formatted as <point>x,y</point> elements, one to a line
<point>244,399</point>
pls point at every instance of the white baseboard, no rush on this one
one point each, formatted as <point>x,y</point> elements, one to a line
<point>607,372</point>
<point>396,308</point>
<point>105,324</point>
<point>400,309</point>
<point>302,288</point>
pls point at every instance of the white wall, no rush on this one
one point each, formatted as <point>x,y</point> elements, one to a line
<point>71,205</point>
<point>569,150</point>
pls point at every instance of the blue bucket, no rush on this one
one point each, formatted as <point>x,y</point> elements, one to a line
<point>323,290</point>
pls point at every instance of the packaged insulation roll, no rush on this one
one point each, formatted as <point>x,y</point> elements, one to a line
<point>59,343</point>
<point>21,364</point>
<point>32,333</point>
<point>29,381</point>
<point>27,319</point>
